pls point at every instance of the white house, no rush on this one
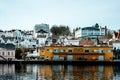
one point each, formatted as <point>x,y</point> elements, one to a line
<point>92,32</point>
<point>1,40</point>
<point>26,43</point>
<point>8,33</point>
<point>17,34</point>
<point>65,41</point>
<point>116,44</point>
<point>41,33</point>
<point>7,51</point>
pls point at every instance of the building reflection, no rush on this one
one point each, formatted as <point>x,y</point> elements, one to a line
<point>70,72</point>
<point>7,71</point>
<point>58,72</point>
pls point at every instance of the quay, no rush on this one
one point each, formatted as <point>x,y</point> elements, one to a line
<point>82,62</point>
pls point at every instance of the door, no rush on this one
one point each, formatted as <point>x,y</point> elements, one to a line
<point>56,57</point>
<point>70,58</point>
<point>101,58</point>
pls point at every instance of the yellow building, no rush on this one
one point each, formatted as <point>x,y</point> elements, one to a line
<point>59,52</point>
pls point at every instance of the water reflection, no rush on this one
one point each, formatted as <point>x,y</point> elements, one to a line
<point>7,71</point>
<point>58,72</point>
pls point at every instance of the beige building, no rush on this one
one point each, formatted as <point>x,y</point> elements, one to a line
<point>7,51</point>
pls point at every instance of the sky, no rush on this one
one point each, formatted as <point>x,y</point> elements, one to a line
<point>25,14</point>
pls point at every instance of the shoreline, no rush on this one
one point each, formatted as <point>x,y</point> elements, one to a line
<point>114,62</point>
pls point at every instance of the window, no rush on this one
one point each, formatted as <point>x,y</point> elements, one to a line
<point>62,50</point>
<point>99,51</point>
<point>56,50</point>
<point>3,53</point>
<point>109,51</point>
<point>11,53</point>
<point>8,53</point>
<point>91,51</point>
<point>69,51</point>
<point>86,51</point>
<point>47,50</point>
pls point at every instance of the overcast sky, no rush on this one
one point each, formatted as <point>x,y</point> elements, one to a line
<point>24,14</point>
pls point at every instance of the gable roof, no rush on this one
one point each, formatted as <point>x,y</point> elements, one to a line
<point>90,28</point>
<point>7,46</point>
<point>8,38</point>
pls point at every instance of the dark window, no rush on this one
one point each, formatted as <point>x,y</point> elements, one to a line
<point>86,51</point>
<point>11,53</point>
<point>8,53</point>
<point>62,50</point>
<point>69,51</point>
<point>3,53</point>
<point>47,49</point>
<point>56,50</point>
<point>109,50</point>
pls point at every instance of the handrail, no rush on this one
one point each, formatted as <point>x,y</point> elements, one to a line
<point>3,57</point>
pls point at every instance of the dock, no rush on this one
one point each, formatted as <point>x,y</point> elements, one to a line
<point>81,62</point>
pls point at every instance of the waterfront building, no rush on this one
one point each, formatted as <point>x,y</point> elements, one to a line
<point>7,51</point>
<point>71,53</point>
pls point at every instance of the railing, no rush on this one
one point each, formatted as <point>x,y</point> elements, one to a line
<point>3,57</point>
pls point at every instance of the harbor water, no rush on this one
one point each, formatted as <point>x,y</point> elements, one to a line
<point>58,72</point>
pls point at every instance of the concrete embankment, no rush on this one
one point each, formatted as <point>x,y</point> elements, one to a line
<point>115,62</point>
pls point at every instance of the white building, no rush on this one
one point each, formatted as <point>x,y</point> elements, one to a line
<point>17,34</point>
<point>42,32</point>
<point>116,44</point>
<point>7,51</point>
<point>66,41</point>
<point>92,32</point>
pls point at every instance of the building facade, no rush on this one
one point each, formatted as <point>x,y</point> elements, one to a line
<point>41,33</point>
<point>7,51</point>
<point>73,53</point>
<point>92,32</point>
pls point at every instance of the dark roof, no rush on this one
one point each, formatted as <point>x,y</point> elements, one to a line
<point>7,46</point>
<point>90,28</point>
<point>8,38</point>
<point>1,30</point>
<point>42,31</point>
<point>2,45</point>
<point>10,46</point>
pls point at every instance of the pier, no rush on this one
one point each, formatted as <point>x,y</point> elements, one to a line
<point>82,62</point>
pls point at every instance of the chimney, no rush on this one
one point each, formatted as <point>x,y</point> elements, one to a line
<point>105,31</point>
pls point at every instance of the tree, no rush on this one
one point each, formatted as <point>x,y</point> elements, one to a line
<point>109,35</point>
<point>17,53</point>
<point>97,25</point>
<point>54,30</point>
<point>23,52</point>
<point>60,30</point>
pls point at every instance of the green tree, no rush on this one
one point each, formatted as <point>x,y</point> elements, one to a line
<point>97,25</point>
<point>54,29</point>
<point>17,53</point>
<point>109,35</point>
<point>60,30</point>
